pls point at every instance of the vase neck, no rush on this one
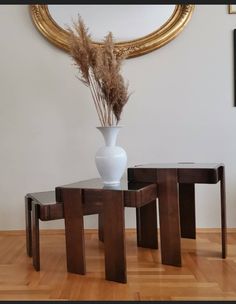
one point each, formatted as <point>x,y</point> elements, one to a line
<point>109,134</point>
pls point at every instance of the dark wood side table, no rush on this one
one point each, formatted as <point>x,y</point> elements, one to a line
<point>113,200</point>
<point>176,196</point>
<point>42,206</point>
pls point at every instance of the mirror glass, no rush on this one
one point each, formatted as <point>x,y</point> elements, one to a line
<point>126,22</point>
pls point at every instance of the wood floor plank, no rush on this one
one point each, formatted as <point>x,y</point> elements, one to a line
<point>203,275</point>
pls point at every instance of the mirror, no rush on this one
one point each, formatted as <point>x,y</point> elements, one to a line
<point>137,29</point>
<point>104,18</point>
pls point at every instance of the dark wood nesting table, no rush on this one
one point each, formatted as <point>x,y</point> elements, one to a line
<point>86,194</point>
<point>173,184</point>
<point>176,195</point>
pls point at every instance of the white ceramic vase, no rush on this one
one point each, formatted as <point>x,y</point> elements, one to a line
<point>110,159</point>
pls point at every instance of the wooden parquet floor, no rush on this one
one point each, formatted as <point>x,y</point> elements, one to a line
<point>203,276</point>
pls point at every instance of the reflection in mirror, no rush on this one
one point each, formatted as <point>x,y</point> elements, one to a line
<point>137,29</point>
<point>126,22</point>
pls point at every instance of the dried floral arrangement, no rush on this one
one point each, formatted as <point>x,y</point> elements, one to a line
<point>99,69</point>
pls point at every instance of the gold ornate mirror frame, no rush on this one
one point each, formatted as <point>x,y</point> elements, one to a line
<point>168,31</point>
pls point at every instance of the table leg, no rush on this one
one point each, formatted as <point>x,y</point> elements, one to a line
<point>74,230</point>
<point>28,225</point>
<point>223,212</point>
<point>167,180</point>
<point>114,236</point>
<point>146,217</point>
<point>187,210</point>
<point>100,227</point>
<point>35,236</point>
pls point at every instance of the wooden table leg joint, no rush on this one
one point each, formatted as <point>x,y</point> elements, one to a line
<point>187,210</point>
<point>114,236</point>
<point>169,216</point>
<point>146,218</point>
<point>223,213</point>
<point>74,222</point>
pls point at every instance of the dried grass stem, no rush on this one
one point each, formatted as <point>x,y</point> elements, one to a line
<point>99,69</point>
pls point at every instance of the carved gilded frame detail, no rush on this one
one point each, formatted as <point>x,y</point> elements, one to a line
<point>168,31</point>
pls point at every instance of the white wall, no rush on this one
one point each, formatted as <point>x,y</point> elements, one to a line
<point>181,110</point>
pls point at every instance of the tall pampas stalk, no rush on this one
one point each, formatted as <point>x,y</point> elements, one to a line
<point>99,69</point>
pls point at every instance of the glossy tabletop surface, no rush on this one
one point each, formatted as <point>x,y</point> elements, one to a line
<point>180,165</point>
<point>47,197</point>
<point>97,184</point>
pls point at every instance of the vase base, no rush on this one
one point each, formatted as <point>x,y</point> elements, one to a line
<point>111,183</point>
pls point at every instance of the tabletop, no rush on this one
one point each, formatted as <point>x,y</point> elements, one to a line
<point>181,165</point>
<point>44,198</point>
<point>97,184</point>
<point>136,194</point>
<point>185,172</point>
